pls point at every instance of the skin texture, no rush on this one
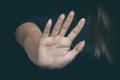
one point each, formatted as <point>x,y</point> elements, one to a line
<point>51,50</point>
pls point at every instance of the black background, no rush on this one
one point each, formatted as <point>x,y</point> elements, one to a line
<point>15,63</point>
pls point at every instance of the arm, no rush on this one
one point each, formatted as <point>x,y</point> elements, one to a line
<point>28,35</point>
<point>51,50</point>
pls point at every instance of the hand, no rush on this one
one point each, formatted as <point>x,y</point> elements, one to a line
<point>54,48</point>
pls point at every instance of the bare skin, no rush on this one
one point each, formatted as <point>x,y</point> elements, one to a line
<point>51,50</point>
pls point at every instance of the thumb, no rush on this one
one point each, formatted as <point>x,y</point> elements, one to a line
<point>77,49</point>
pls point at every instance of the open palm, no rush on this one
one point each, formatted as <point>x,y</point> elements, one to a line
<point>54,47</point>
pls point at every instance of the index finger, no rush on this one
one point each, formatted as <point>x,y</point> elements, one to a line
<point>76,30</point>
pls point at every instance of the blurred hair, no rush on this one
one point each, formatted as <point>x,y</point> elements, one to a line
<point>100,22</point>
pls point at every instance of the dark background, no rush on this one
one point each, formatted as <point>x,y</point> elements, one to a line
<point>15,63</point>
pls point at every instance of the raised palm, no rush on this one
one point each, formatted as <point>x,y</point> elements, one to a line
<point>54,48</point>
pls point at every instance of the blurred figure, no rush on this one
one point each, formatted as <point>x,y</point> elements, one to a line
<point>51,50</point>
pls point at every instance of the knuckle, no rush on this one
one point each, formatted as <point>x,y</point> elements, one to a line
<point>75,31</point>
<point>68,20</point>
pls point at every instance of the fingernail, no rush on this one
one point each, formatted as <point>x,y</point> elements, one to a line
<point>82,43</point>
<point>83,20</point>
<point>50,21</point>
<point>62,16</point>
<point>72,13</point>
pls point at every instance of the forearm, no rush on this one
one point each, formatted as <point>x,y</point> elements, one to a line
<point>26,30</point>
<point>28,35</point>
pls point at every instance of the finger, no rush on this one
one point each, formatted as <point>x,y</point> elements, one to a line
<point>47,28</point>
<point>67,23</point>
<point>76,30</point>
<point>78,48</point>
<point>58,25</point>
